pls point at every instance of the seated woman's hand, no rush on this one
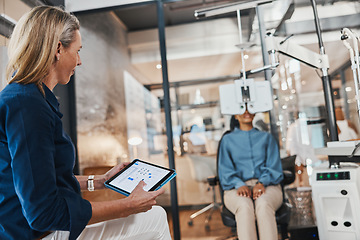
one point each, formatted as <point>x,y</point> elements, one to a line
<point>141,200</point>
<point>258,190</point>
<point>244,191</point>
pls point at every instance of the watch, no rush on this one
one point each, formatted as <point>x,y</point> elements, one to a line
<point>90,183</point>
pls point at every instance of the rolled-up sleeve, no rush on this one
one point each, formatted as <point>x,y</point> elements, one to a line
<point>272,170</point>
<point>46,205</point>
<point>228,174</point>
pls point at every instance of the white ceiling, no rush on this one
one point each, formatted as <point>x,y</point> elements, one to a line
<point>207,49</point>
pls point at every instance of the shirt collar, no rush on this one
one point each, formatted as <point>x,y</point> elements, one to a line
<point>237,129</point>
<point>52,100</point>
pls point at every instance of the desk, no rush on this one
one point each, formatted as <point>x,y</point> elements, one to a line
<point>336,151</point>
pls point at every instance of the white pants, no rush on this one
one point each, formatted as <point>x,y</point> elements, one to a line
<point>262,210</point>
<point>148,226</point>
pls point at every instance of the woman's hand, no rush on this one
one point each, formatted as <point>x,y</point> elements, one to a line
<point>258,190</point>
<point>141,200</point>
<point>138,201</point>
<point>99,180</point>
<point>115,170</point>
<point>244,191</point>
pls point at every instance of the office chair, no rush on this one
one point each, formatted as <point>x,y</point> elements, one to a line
<point>282,214</point>
<point>201,167</point>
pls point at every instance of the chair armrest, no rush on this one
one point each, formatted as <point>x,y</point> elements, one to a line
<point>283,214</point>
<point>289,177</point>
<point>213,180</point>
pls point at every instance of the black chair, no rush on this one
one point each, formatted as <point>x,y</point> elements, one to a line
<point>282,214</point>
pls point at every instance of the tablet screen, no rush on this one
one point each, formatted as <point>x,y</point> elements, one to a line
<point>127,179</point>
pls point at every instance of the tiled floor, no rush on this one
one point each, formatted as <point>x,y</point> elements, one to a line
<point>197,231</point>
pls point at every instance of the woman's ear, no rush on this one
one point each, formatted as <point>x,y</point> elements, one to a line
<point>58,51</point>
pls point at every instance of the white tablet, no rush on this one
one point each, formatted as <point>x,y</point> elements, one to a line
<point>128,178</point>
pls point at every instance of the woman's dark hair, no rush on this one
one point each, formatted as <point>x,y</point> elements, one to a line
<point>234,123</point>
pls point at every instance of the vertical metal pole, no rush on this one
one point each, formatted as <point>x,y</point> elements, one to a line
<point>328,93</point>
<point>67,100</point>
<point>241,42</point>
<point>167,107</point>
<point>268,72</point>
<point>344,94</point>
<point>179,119</point>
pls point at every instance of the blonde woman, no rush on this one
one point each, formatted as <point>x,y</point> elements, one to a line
<point>38,192</point>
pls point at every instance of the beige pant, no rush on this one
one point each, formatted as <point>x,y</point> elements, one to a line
<point>263,212</point>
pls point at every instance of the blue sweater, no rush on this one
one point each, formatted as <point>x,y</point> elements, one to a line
<point>245,155</point>
<point>38,191</point>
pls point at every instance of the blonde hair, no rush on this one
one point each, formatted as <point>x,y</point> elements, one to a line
<point>34,42</point>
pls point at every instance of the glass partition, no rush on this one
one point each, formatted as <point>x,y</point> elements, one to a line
<point>345,103</point>
<point>118,119</point>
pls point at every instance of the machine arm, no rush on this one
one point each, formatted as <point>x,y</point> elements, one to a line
<point>293,50</point>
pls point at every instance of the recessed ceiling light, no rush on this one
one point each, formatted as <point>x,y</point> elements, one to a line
<point>246,56</point>
<point>158,66</point>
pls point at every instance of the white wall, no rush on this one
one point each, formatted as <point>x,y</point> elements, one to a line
<point>100,96</point>
<point>12,9</point>
<point>3,61</point>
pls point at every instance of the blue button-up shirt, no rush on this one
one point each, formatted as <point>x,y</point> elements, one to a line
<point>245,155</point>
<point>38,191</point>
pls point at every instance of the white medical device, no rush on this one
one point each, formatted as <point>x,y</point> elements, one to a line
<point>336,200</point>
<point>256,94</point>
<point>289,48</point>
<point>336,189</point>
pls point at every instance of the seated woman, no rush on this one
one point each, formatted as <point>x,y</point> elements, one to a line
<point>250,172</point>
